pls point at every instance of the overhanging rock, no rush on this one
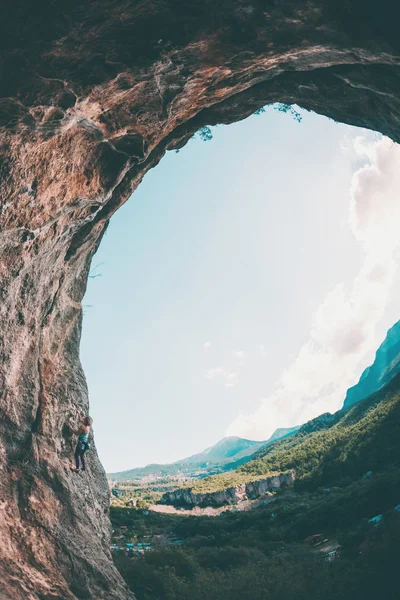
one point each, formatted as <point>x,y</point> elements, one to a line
<point>92,94</point>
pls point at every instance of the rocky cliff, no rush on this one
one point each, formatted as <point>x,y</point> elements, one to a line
<point>92,94</point>
<point>232,495</point>
<point>384,368</point>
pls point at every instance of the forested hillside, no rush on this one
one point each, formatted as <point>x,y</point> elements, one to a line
<point>364,438</point>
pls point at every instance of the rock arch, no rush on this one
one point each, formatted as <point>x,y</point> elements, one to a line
<point>92,94</point>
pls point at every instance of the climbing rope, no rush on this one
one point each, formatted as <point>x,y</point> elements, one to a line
<point>98,526</point>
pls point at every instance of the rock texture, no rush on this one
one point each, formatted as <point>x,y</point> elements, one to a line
<point>92,94</point>
<point>233,495</point>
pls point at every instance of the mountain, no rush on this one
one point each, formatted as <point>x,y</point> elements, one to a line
<point>370,410</point>
<point>282,433</point>
<point>225,455</point>
<point>211,460</point>
<point>323,421</point>
<point>329,450</point>
<point>385,366</point>
<point>229,448</point>
<point>346,492</point>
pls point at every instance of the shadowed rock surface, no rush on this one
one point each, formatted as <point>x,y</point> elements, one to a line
<point>384,368</point>
<point>92,94</point>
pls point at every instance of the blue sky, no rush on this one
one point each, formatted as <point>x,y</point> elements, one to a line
<point>232,275</point>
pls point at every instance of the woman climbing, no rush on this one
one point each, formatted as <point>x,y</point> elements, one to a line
<point>83,443</point>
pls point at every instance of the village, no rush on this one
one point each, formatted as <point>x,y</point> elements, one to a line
<point>137,530</point>
<point>326,549</point>
<point>142,535</point>
<point>135,547</point>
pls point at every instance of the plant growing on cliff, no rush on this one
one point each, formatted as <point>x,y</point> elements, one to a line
<point>288,108</point>
<point>283,108</point>
<point>93,274</point>
<point>205,134</point>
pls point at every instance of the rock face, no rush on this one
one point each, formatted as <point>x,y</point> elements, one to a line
<point>233,495</point>
<point>92,94</point>
<point>384,368</point>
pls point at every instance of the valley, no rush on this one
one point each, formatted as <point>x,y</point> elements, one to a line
<point>178,557</point>
<point>328,449</point>
<point>141,486</point>
<point>331,531</point>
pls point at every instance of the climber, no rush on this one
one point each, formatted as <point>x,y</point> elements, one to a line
<point>83,443</point>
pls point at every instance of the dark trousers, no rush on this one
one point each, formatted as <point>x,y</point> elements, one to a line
<point>81,448</point>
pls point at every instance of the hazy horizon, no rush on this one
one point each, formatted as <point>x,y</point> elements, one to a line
<point>186,457</point>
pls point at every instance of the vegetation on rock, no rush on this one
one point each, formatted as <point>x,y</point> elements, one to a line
<point>362,439</point>
<point>348,488</point>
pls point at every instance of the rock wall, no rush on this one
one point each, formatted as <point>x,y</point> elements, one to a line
<point>385,367</point>
<point>232,495</point>
<point>92,94</point>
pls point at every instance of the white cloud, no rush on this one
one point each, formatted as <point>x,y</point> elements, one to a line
<point>343,330</point>
<point>215,372</point>
<point>207,345</point>
<point>239,354</point>
<point>262,350</point>
<point>229,378</point>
